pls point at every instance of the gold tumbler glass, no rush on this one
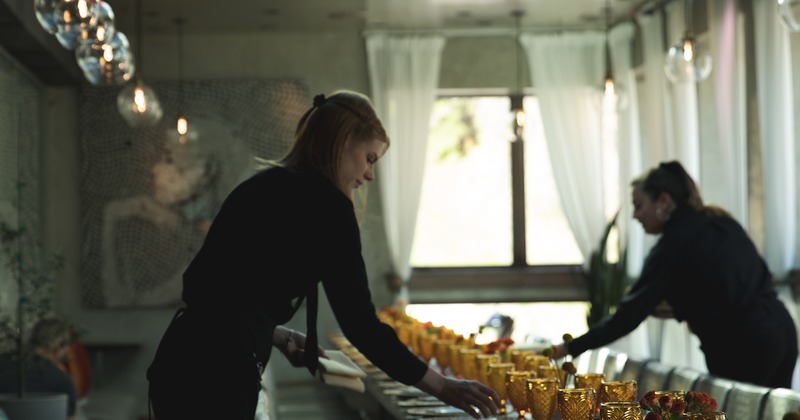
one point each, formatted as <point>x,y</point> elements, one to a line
<point>576,403</point>
<point>482,362</point>
<point>591,380</point>
<point>442,354</point>
<point>518,357</point>
<point>614,391</point>
<point>542,397</point>
<point>532,362</point>
<point>620,410</point>
<point>673,395</point>
<point>497,381</point>
<point>517,391</point>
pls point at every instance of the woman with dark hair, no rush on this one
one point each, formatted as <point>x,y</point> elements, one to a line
<point>279,233</point>
<point>708,270</point>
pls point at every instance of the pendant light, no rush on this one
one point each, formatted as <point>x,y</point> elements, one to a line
<point>612,96</point>
<point>137,102</point>
<point>688,60</point>
<point>518,96</point>
<point>789,11</point>
<point>182,125</point>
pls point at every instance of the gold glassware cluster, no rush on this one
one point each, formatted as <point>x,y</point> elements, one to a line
<point>576,403</point>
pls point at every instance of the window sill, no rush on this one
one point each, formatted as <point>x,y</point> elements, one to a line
<point>497,284</point>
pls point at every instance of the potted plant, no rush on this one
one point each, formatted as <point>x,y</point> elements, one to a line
<point>35,297</point>
<point>606,280</point>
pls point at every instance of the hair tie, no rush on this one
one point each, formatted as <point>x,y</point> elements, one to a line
<point>319,100</point>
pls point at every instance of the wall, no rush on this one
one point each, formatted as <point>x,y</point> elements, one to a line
<point>326,62</point>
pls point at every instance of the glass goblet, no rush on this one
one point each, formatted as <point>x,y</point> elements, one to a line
<point>542,396</point>
<point>576,403</point>
<point>497,381</point>
<point>517,390</point>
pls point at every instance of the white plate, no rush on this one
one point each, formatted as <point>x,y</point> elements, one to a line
<point>446,411</point>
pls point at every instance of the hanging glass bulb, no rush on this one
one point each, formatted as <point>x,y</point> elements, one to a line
<point>611,95</point>
<point>789,11</point>
<point>73,17</point>
<point>106,63</point>
<point>688,61</point>
<point>138,105</point>
<point>45,11</point>
<point>101,26</point>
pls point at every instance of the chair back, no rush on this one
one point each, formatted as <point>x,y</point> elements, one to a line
<point>779,402</point>
<point>745,401</point>
<point>613,365</point>
<point>654,377</point>
<point>632,369</point>
<point>683,379</point>
<point>717,387</point>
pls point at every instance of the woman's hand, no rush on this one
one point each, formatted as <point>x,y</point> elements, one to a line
<point>292,344</point>
<point>475,398</point>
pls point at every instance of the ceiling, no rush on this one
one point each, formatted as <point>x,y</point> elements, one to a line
<point>248,16</point>
<point>24,39</point>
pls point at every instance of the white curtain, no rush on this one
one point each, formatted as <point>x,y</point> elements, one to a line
<point>777,136</point>
<point>566,70</point>
<point>403,74</point>
<point>725,35</point>
<point>630,166</point>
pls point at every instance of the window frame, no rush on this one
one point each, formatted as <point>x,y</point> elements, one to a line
<point>518,282</point>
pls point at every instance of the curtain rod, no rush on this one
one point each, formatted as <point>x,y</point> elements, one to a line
<point>481,32</point>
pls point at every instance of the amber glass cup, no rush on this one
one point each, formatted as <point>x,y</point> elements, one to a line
<point>591,380</point>
<point>469,366</point>
<point>518,357</point>
<point>497,381</point>
<point>673,395</point>
<point>441,353</point>
<point>454,357</point>
<point>620,410</point>
<point>532,362</point>
<point>517,390</point>
<point>614,391</point>
<point>542,396</point>
<point>576,403</point>
<point>425,346</point>
<point>482,362</point>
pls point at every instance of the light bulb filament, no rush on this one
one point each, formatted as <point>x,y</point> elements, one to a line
<point>688,50</point>
<point>139,101</point>
<point>183,126</point>
<point>83,9</point>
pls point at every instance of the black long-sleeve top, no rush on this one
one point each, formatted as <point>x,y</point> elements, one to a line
<point>276,236</point>
<point>710,272</point>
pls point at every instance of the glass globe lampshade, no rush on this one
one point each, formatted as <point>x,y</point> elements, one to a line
<point>108,63</point>
<point>101,26</point>
<point>73,17</point>
<point>789,11</point>
<point>45,11</point>
<point>138,104</point>
<point>688,61</point>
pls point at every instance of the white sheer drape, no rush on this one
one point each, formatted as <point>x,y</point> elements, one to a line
<point>777,132</point>
<point>565,68</point>
<point>403,74</point>
<point>726,40</point>
<point>630,166</point>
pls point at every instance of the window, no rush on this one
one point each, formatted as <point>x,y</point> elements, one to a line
<point>468,202</point>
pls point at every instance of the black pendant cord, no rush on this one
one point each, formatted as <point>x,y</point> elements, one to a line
<point>179,21</point>
<point>139,58</point>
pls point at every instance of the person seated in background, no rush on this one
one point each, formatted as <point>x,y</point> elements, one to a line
<point>710,273</point>
<point>49,342</point>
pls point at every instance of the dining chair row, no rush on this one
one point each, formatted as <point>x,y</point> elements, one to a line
<point>739,400</point>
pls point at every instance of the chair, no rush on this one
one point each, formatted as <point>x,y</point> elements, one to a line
<point>683,379</point>
<point>632,369</point>
<point>654,377</point>
<point>745,401</point>
<point>585,361</point>
<point>779,402</point>
<point>613,365</point>
<point>717,387</point>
